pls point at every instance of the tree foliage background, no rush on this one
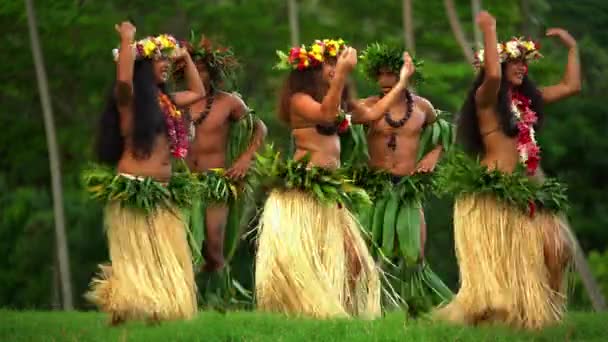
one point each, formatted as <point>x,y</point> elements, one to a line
<point>78,36</point>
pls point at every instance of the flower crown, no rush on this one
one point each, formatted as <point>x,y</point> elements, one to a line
<point>329,47</point>
<point>163,45</point>
<point>300,58</point>
<point>516,48</point>
<point>218,59</point>
<point>377,56</point>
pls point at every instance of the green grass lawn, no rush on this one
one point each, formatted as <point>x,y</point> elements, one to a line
<point>250,326</point>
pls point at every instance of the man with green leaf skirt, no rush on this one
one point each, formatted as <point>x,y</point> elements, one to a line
<point>226,136</point>
<point>404,145</point>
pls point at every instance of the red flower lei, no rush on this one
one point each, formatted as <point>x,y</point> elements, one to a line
<point>343,121</point>
<point>529,151</point>
<point>176,130</point>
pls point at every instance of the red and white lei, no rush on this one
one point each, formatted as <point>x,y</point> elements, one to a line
<point>529,151</point>
<point>344,122</point>
<point>176,129</point>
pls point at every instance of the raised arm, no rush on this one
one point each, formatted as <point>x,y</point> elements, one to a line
<point>327,111</point>
<point>331,102</point>
<point>487,92</point>
<point>571,81</point>
<point>365,114</point>
<point>196,90</point>
<point>125,63</point>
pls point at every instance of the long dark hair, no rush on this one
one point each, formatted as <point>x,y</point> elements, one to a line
<point>148,119</point>
<point>468,133</point>
<point>308,81</point>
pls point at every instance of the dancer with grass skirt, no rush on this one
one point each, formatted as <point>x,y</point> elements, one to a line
<point>405,140</point>
<point>151,275</point>
<point>512,251</point>
<point>312,259</point>
<point>227,134</point>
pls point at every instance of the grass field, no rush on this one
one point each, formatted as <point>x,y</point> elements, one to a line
<point>249,326</point>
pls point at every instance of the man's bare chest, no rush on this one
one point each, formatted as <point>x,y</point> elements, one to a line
<point>212,118</point>
<point>393,124</point>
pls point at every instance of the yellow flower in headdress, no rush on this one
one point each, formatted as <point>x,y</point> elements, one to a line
<point>516,48</point>
<point>332,46</point>
<point>152,47</point>
<point>529,45</point>
<point>164,41</point>
<point>149,47</point>
<point>316,52</point>
<point>317,49</point>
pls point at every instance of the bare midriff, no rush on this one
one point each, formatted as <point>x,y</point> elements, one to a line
<point>156,166</point>
<point>324,150</point>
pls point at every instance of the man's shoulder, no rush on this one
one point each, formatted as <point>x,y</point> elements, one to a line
<point>371,100</point>
<point>422,102</point>
<point>222,95</point>
<point>227,99</point>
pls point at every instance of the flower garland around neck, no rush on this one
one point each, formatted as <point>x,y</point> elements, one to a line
<point>176,130</point>
<point>529,151</point>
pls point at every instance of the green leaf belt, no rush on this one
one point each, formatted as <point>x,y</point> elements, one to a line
<point>380,183</point>
<point>328,186</point>
<point>462,175</point>
<point>146,193</point>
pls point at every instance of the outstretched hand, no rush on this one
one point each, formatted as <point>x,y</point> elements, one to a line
<point>563,35</point>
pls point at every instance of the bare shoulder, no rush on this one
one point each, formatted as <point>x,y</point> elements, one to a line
<point>370,101</point>
<point>299,99</point>
<point>222,96</point>
<point>234,104</point>
<point>235,100</point>
<point>424,104</point>
<point>305,106</point>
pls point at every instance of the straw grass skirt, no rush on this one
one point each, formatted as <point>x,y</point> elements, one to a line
<point>151,275</point>
<point>313,261</point>
<point>512,265</point>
